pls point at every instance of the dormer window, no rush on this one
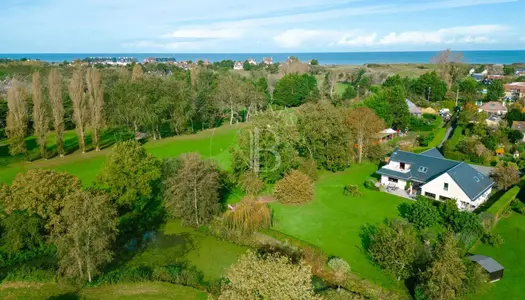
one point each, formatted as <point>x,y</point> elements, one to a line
<point>476,178</point>
<point>402,166</point>
<point>422,169</point>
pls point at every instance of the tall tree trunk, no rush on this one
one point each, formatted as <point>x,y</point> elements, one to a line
<point>231,114</point>
<point>195,198</point>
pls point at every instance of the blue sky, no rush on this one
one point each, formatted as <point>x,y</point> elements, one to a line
<point>47,26</point>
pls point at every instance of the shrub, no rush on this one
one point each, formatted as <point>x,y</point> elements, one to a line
<point>294,188</point>
<point>370,184</point>
<point>492,239</point>
<point>422,213</point>
<point>247,217</point>
<point>309,168</point>
<point>30,274</point>
<point>250,183</point>
<point>352,190</point>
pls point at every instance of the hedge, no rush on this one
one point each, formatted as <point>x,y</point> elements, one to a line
<point>504,201</point>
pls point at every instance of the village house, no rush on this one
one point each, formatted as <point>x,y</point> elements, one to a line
<point>478,76</point>
<point>252,61</point>
<point>268,60</point>
<point>519,125</point>
<point>515,90</point>
<point>494,107</point>
<point>386,135</point>
<point>238,66</point>
<point>414,109</point>
<point>431,175</point>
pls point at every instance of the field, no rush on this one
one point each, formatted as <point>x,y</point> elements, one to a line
<point>333,221</point>
<point>510,256</point>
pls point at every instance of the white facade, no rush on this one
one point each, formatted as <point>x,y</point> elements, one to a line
<point>444,188</point>
<point>390,181</point>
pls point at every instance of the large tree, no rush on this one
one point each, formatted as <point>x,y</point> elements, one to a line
<point>54,86</point>
<point>495,91</point>
<point>96,103</point>
<point>192,194</point>
<point>40,115</point>
<point>294,90</point>
<point>324,137</point>
<point>364,125</point>
<point>230,94</point>
<point>80,107</point>
<point>444,277</point>
<point>505,175</point>
<point>379,104</point>
<point>130,173</point>
<point>393,246</point>
<point>270,277</point>
<point>17,118</point>
<point>85,235</point>
<point>396,98</point>
<point>41,192</point>
<point>450,66</point>
<point>430,86</point>
<point>22,232</point>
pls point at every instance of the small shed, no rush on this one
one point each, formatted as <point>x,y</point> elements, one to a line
<point>492,267</point>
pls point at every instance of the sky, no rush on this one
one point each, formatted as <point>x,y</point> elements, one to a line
<point>258,26</point>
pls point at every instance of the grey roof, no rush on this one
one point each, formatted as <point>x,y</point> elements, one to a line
<point>413,108</point>
<point>463,174</point>
<point>472,182</point>
<point>433,152</point>
<point>488,263</point>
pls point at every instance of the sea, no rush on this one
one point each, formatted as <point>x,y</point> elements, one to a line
<point>324,58</point>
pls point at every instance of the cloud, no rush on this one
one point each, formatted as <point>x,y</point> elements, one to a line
<point>295,38</point>
<point>186,45</point>
<point>206,33</point>
<point>358,40</point>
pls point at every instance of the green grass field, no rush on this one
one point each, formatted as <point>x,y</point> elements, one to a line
<point>510,256</point>
<point>212,143</point>
<point>333,221</point>
<point>143,290</point>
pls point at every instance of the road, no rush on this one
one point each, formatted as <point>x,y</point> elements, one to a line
<point>482,169</point>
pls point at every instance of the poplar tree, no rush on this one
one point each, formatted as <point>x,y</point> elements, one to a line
<point>57,108</point>
<point>16,128</point>
<point>80,107</point>
<point>96,103</point>
<point>40,116</point>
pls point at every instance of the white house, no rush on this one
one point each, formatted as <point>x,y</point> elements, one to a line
<point>238,66</point>
<point>431,175</point>
<point>252,61</point>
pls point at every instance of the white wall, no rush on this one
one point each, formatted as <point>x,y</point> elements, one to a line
<point>396,164</point>
<point>400,183</point>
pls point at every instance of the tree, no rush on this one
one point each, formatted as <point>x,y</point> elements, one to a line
<point>364,125</point>
<point>41,192</point>
<point>294,188</point>
<point>349,93</point>
<point>229,93</point>
<point>96,103</point>
<point>193,193</point>
<point>267,147</point>
<point>422,213</point>
<point>271,277</point>
<point>17,119</point>
<point>341,270</point>
<point>40,115</point>
<point>130,173</point>
<point>393,246</point>
<point>379,104</point>
<point>54,86</point>
<point>505,175</point>
<point>430,86</point>
<point>22,232</point>
<point>247,217</point>
<point>294,90</point>
<point>444,277</point>
<point>330,81</point>
<point>324,137</point>
<point>250,183</point>
<point>85,234</point>
<point>137,73</point>
<point>469,88</point>
<point>80,107</point>
<point>396,98</point>
<point>515,136</point>
<point>509,70</point>
<point>449,66</point>
<point>495,91</point>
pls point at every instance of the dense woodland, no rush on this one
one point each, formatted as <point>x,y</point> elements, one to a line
<point>302,126</point>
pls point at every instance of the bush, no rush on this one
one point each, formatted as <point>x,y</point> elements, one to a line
<point>250,183</point>
<point>493,239</point>
<point>352,190</point>
<point>425,140</point>
<point>502,204</point>
<point>422,213</point>
<point>309,168</point>
<point>247,217</point>
<point>294,188</point>
<point>30,274</point>
<point>370,184</point>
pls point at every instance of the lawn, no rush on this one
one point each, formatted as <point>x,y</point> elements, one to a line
<point>333,221</point>
<point>143,290</point>
<point>212,143</point>
<point>510,256</point>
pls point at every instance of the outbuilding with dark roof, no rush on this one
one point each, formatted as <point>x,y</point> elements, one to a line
<point>493,268</point>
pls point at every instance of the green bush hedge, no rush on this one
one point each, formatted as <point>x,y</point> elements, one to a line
<point>370,184</point>
<point>499,207</point>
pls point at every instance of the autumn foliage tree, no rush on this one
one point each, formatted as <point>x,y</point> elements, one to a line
<point>40,115</point>
<point>364,125</point>
<point>192,193</point>
<point>294,188</point>
<point>271,277</point>
<point>250,183</point>
<point>247,217</point>
<point>17,118</point>
<point>505,175</point>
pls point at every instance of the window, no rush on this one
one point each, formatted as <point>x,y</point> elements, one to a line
<point>392,179</point>
<point>430,195</point>
<point>402,166</point>
<point>445,186</point>
<point>476,178</point>
<point>422,169</point>
<point>443,198</point>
